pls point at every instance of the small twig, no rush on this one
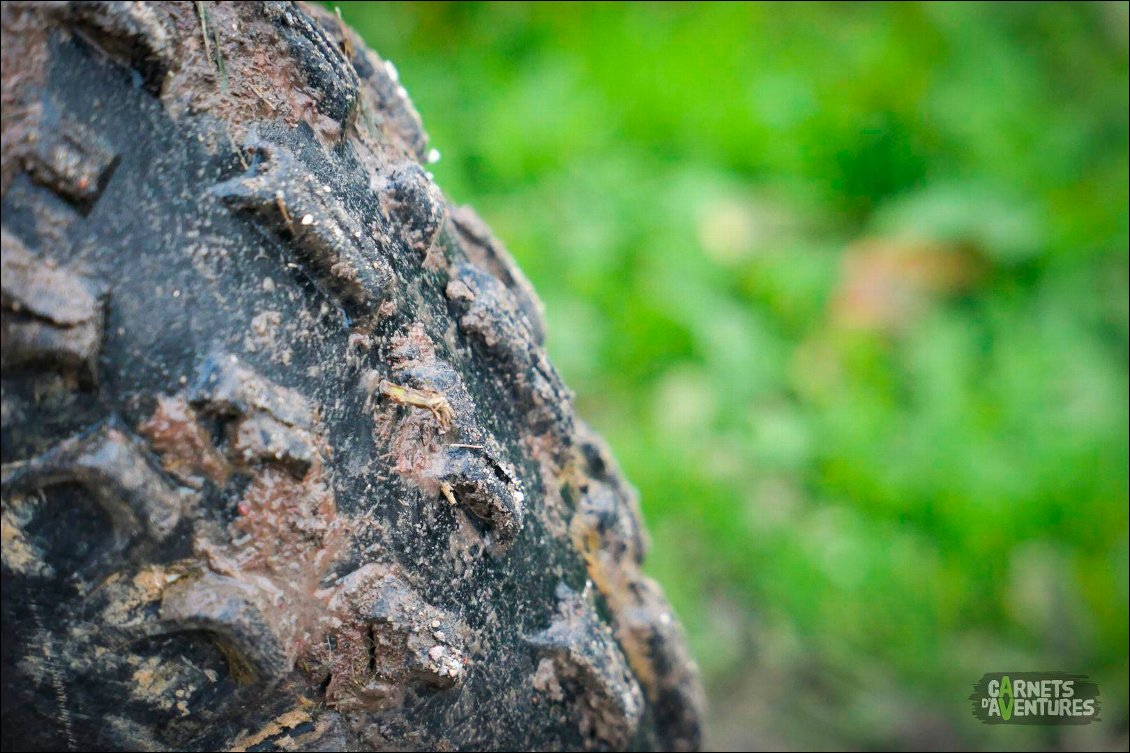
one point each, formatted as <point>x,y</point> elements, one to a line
<point>216,59</point>
<point>429,400</point>
<point>262,96</point>
<point>222,69</point>
<point>203,15</point>
<point>281,204</point>
<point>346,42</point>
<point>468,446</point>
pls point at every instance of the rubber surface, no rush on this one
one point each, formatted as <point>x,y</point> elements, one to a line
<point>285,463</point>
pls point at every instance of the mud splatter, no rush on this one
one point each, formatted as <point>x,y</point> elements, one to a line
<point>185,449</point>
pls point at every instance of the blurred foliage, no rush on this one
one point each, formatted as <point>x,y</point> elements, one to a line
<point>846,289</point>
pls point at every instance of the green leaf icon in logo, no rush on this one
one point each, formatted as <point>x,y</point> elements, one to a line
<point>1005,705</point>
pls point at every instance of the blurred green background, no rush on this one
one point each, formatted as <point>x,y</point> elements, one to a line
<point>846,290</point>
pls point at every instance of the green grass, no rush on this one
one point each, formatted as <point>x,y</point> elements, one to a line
<point>846,289</point>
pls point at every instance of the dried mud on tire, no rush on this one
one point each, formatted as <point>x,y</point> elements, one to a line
<point>285,465</point>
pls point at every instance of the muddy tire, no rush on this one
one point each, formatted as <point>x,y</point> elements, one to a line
<point>284,463</point>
